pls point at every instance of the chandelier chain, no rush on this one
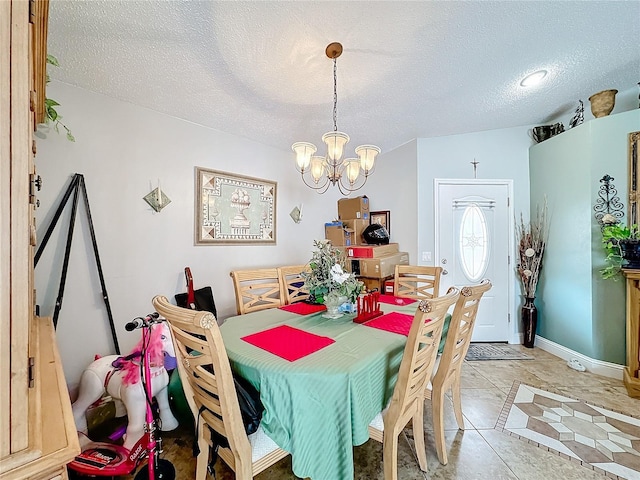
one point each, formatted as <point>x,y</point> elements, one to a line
<point>335,95</point>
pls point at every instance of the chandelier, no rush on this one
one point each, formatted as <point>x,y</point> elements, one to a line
<point>347,174</point>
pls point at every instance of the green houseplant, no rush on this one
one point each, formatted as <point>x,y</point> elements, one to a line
<point>327,278</point>
<point>622,246</point>
<point>51,114</point>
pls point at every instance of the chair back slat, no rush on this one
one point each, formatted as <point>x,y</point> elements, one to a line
<point>463,320</point>
<point>256,290</point>
<point>292,283</point>
<point>418,359</point>
<point>417,282</point>
<point>205,372</point>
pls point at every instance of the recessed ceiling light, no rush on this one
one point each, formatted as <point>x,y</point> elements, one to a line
<point>533,79</point>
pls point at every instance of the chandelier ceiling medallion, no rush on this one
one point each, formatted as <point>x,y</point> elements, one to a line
<point>347,174</point>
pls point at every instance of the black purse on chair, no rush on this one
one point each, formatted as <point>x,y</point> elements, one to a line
<point>201,299</point>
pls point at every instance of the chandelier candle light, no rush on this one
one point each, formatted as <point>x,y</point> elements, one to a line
<point>332,169</point>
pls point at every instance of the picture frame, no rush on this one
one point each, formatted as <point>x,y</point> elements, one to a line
<point>382,217</point>
<point>232,209</point>
<point>634,178</point>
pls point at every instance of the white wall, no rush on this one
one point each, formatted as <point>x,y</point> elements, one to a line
<point>502,154</point>
<point>123,150</point>
<point>393,187</point>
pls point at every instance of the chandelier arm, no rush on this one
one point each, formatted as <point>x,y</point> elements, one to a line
<point>325,184</point>
<point>346,190</point>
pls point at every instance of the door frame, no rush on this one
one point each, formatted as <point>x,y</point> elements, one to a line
<point>514,334</point>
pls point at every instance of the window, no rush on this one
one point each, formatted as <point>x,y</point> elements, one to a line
<point>474,243</point>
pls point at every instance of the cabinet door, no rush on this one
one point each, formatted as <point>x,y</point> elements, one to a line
<point>16,237</point>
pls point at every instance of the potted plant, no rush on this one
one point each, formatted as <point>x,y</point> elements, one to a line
<point>622,245</point>
<point>532,241</point>
<point>327,282</point>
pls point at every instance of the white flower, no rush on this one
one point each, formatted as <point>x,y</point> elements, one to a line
<point>608,219</point>
<point>529,252</point>
<point>527,273</point>
<point>338,275</point>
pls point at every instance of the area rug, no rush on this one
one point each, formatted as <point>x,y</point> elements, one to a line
<point>602,440</point>
<point>494,351</point>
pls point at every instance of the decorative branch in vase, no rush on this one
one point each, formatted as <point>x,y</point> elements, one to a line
<point>532,241</point>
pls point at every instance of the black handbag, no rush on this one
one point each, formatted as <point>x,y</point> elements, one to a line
<point>251,407</point>
<point>201,299</point>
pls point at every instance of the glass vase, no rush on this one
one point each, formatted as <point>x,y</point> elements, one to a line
<point>332,301</point>
<point>529,315</point>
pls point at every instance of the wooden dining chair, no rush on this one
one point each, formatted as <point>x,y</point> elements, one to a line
<point>209,388</point>
<point>292,283</point>
<point>257,290</point>
<point>417,282</point>
<point>447,374</point>
<point>407,402</point>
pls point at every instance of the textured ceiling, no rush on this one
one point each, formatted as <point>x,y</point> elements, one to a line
<point>409,69</point>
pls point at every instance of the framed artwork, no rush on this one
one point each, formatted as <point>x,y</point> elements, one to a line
<point>233,209</point>
<point>634,178</point>
<point>382,217</point>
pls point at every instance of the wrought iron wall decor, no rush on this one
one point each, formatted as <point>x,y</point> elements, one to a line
<point>608,207</point>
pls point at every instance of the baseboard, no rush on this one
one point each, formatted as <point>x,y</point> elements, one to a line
<point>599,367</point>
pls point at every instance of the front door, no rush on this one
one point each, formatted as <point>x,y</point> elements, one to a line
<point>474,241</point>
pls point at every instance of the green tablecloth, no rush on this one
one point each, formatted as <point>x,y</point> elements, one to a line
<point>319,407</point>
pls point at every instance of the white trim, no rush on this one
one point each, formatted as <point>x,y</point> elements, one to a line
<point>599,367</point>
<point>514,335</point>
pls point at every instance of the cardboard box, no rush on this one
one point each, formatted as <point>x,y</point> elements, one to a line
<point>337,234</point>
<point>382,267</point>
<point>372,251</point>
<point>373,283</point>
<point>388,287</point>
<point>357,225</point>
<point>350,208</point>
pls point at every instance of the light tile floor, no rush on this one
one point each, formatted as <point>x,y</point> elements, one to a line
<point>480,451</point>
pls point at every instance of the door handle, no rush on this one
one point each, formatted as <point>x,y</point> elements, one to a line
<point>444,272</point>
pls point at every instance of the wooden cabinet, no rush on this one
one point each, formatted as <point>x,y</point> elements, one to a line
<point>632,370</point>
<point>37,435</point>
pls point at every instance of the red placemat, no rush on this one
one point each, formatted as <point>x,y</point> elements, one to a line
<point>288,342</point>
<point>393,300</point>
<point>394,322</point>
<point>302,308</point>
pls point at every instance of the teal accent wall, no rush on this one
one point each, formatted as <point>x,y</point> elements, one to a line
<point>577,308</point>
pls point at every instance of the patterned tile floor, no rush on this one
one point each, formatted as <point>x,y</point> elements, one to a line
<point>481,451</point>
<point>598,438</point>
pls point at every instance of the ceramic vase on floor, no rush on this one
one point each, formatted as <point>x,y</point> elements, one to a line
<point>529,321</point>
<point>602,103</point>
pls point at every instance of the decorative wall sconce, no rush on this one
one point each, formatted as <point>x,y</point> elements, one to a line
<point>157,199</point>
<point>608,207</point>
<point>296,214</point>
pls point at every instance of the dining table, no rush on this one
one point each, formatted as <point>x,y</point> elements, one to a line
<point>318,406</point>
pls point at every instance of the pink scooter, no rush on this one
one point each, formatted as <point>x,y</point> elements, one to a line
<point>102,459</point>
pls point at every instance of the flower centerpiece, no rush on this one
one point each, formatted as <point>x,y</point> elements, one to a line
<point>327,282</point>
<point>532,241</point>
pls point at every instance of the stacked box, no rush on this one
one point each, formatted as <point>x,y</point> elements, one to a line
<point>358,226</point>
<point>337,234</point>
<point>380,267</point>
<point>372,251</point>
<point>375,284</point>
<point>353,208</point>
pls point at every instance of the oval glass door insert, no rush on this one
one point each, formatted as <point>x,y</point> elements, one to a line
<point>474,243</point>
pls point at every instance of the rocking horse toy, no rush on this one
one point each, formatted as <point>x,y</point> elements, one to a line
<point>135,380</point>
